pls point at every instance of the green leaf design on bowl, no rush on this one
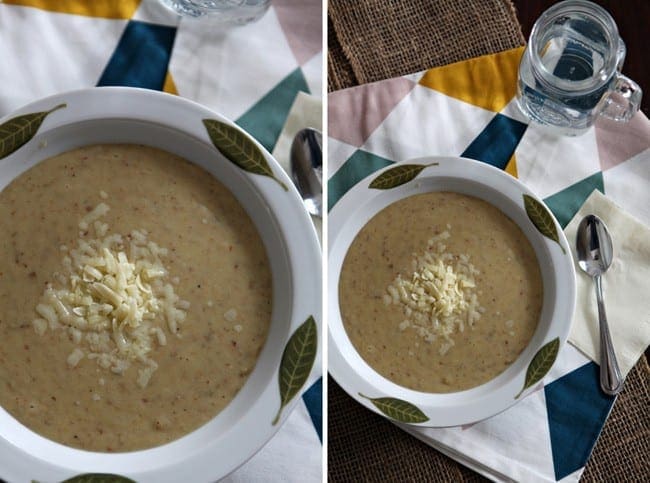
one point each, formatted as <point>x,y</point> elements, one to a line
<point>99,478</point>
<point>398,409</point>
<point>297,360</point>
<point>541,364</point>
<point>239,149</point>
<point>20,129</point>
<point>397,176</point>
<point>542,219</point>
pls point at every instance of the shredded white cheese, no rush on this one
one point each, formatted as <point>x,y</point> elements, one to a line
<point>439,299</point>
<point>99,211</point>
<point>75,356</point>
<point>112,298</point>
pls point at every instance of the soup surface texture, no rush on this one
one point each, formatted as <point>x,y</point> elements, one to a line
<point>216,276</point>
<point>440,292</point>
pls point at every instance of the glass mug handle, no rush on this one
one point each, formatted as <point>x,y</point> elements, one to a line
<point>624,98</point>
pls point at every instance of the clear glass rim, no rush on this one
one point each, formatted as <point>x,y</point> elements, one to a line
<point>200,8</point>
<point>597,13</point>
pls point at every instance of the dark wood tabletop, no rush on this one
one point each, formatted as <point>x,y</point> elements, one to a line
<point>632,18</point>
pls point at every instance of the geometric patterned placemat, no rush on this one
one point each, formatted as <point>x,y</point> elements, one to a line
<point>467,109</point>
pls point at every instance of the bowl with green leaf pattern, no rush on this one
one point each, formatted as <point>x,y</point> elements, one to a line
<point>160,128</point>
<point>451,289</point>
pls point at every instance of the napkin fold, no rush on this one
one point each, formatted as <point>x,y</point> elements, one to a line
<point>625,286</point>
<point>306,111</point>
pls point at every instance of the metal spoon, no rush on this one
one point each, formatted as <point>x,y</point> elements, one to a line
<point>307,168</point>
<point>595,253</point>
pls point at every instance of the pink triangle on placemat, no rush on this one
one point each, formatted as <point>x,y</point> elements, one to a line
<point>353,114</point>
<point>302,26</point>
<point>619,141</point>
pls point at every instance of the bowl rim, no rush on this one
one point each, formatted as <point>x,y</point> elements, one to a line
<point>362,382</point>
<point>48,459</point>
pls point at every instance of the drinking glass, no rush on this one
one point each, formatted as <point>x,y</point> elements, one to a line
<point>221,11</point>
<point>570,72</point>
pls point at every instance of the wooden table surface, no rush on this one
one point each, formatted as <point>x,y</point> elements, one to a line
<point>631,16</point>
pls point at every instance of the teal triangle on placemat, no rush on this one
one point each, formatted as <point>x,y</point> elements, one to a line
<point>577,410</point>
<point>497,142</point>
<point>313,398</point>
<point>265,120</point>
<point>567,202</point>
<point>141,57</point>
<point>358,166</point>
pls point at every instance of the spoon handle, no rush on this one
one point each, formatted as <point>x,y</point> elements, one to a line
<point>611,381</point>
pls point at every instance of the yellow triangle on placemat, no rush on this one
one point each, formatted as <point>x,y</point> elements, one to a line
<point>118,9</point>
<point>169,86</point>
<point>489,81</point>
<point>511,167</point>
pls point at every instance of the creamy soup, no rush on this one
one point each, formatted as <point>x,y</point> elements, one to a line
<point>440,292</point>
<point>141,356</point>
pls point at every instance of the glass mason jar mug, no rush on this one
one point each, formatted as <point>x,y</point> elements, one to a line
<point>570,71</point>
<point>234,12</point>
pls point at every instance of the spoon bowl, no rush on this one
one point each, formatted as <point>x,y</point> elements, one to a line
<point>595,254</point>
<point>594,246</point>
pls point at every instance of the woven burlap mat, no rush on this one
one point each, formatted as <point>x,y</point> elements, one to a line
<point>371,40</point>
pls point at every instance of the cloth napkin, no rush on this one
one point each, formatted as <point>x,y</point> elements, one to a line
<point>468,109</point>
<point>625,286</point>
<point>251,74</point>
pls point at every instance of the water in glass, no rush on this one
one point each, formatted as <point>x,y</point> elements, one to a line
<point>569,73</point>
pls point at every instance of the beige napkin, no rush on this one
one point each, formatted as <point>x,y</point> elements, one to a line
<point>306,111</point>
<point>625,286</point>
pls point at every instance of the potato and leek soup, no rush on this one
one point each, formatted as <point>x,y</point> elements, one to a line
<point>440,292</point>
<point>135,297</point>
